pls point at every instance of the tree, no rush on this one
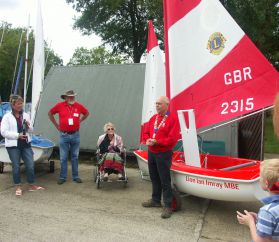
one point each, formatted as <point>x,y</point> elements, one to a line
<point>8,55</point>
<point>260,21</point>
<point>121,23</point>
<point>99,55</point>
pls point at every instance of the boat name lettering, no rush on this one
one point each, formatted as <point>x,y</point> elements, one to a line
<point>210,183</point>
<point>237,106</point>
<point>237,76</point>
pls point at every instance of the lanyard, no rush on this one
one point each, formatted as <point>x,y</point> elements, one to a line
<point>156,128</point>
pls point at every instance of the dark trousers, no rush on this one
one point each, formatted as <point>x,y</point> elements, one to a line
<point>159,170</point>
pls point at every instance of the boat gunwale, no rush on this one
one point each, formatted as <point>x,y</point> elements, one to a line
<point>205,176</point>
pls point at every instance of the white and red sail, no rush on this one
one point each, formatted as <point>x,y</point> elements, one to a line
<point>155,84</point>
<point>211,65</point>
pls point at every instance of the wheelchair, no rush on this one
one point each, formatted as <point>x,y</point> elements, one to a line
<point>114,165</point>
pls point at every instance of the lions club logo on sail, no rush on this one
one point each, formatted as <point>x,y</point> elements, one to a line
<point>216,43</point>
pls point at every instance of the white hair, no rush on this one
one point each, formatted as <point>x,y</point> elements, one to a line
<point>109,124</point>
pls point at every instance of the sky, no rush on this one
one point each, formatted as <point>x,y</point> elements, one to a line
<point>57,23</point>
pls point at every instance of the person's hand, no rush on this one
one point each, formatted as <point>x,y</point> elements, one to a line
<point>247,218</point>
<point>23,137</point>
<point>28,124</point>
<point>151,142</point>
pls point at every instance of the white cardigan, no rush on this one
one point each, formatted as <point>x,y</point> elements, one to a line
<point>9,129</point>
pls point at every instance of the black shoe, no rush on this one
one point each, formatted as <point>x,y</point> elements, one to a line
<point>61,181</point>
<point>78,180</point>
<point>151,204</point>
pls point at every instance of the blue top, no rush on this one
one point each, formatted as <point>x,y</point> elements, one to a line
<point>268,218</point>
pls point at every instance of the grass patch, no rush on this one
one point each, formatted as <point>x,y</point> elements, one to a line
<point>271,143</point>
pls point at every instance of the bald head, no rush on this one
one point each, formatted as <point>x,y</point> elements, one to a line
<point>162,105</point>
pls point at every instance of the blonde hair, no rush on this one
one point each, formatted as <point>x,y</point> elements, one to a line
<point>270,171</point>
<point>276,115</point>
<point>109,124</point>
<point>15,98</point>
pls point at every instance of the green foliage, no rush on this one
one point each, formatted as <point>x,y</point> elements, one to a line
<point>99,55</point>
<point>271,142</point>
<point>123,23</point>
<point>260,21</point>
<point>8,55</point>
<point>120,23</point>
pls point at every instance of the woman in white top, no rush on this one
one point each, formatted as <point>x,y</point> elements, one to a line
<point>15,128</point>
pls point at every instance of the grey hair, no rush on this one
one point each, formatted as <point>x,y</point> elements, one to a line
<point>109,124</point>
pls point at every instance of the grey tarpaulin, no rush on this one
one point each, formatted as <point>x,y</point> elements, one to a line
<point>111,93</point>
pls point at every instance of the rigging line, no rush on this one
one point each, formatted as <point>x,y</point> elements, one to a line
<point>18,50</point>
<point>237,119</point>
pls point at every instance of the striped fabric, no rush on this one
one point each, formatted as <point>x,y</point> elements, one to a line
<point>268,218</point>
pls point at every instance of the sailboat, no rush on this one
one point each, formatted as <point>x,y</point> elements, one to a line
<point>214,74</point>
<point>154,87</point>
<point>41,147</point>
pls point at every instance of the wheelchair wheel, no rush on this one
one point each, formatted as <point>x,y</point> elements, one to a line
<point>125,181</point>
<point>98,181</point>
<point>95,174</point>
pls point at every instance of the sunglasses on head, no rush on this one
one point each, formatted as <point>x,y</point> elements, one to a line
<point>110,129</point>
<point>14,97</point>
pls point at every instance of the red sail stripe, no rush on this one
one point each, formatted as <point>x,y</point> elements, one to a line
<point>208,94</point>
<point>152,38</point>
<point>177,9</point>
<point>174,10</point>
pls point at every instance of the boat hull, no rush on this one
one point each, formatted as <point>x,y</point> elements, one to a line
<point>41,152</point>
<point>237,185</point>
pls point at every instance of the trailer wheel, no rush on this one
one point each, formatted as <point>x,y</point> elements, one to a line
<point>51,166</point>
<point>1,167</point>
<point>176,200</point>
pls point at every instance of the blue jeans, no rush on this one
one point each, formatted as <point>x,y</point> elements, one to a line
<point>69,143</point>
<point>26,154</point>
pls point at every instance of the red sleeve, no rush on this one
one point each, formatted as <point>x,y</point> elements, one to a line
<point>174,133</point>
<point>55,109</point>
<point>146,132</point>
<point>83,109</point>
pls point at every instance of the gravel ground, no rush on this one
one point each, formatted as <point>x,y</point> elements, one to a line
<point>80,212</point>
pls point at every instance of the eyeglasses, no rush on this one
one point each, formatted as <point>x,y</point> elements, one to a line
<point>110,129</point>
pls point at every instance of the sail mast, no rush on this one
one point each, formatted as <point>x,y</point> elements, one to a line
<point>38,64</point>
<point>26,61</point>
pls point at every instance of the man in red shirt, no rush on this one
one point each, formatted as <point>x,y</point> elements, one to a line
<point>161,135</point>
<point>71,114</point>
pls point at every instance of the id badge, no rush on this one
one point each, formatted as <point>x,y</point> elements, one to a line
<point>70,121</point>
<point>76,114</point>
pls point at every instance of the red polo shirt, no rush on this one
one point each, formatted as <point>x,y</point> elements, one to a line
<point>67,112</point>
<point>167,135</point>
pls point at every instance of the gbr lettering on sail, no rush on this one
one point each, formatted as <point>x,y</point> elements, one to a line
<point>236,77</point>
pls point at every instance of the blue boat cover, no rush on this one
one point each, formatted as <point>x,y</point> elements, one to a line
<point>38,141</point>
<point>41,142</point>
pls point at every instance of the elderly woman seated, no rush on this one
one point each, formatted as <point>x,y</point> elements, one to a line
<point>111,146</point>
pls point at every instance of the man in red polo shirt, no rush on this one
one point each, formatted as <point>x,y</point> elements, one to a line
<point>71,114</point>
<point>161,135</point>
